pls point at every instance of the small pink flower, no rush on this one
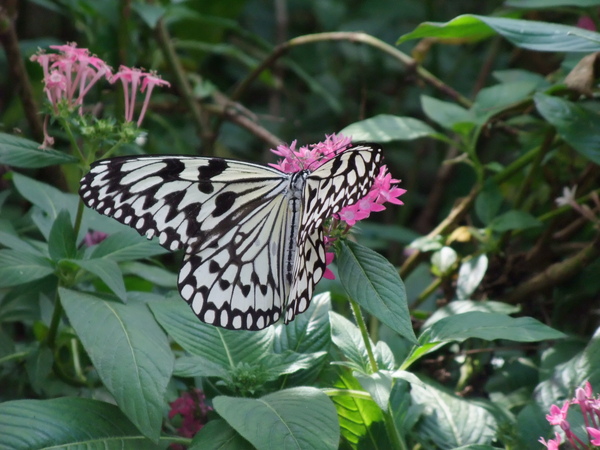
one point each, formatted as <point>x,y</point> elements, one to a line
<point>594,435</point>
<point>328,274</point>
<point>558,416</point>
<point>586,23</point>
<point>192,408</point>
<point>94,238</point>
<point>552,444</point>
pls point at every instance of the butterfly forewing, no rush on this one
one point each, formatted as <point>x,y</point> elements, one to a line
<point>251,234</point>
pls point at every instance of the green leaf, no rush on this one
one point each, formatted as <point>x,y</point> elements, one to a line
<point>378,385</point>
<point>375,285</point>
<point>9,238</point>
<point>489,326</point>
<point>446,114</point>
<point>297,418</point>
<point>156,275</point>
<point>530,34</point>
<point>223,347</point>
<point>513,220</point>
<point>130,353</point>
<point>462,306</point>
<point>217,434</point>
<point>21,268</point>
<point>309,332</point>
<point>198,366</point>
<point>355,415</point>
<point>348,339</point>
<point>67,422</point>
<point>108,271</point>
<point>576,125</point>
<point>126,245</point>
<point>19,152</point>
<point>388,128</point>
<point>61,242</point>
<point>539,4</point>
<point>488,202</point>
<point>470,274</point>
<point>494,99</point>
<point>453,421</point>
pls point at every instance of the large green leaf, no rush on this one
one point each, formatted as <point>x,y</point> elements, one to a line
<point>453,421</point>
<point>19,152</point>
<point>130,353</point>
<point>224,347</point>
<point>538,4</point>
<point>576,125</point>
<point>489,326</point>
<point>462,306</point>
<point>374,283</point>
<point>17,267</point>
<point>530,34</point>
<point>67,423</point>
<point>217,434</point>
<point>297,418</point>
<point>387,128</point>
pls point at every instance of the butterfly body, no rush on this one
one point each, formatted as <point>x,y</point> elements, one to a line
<point>252,235</point>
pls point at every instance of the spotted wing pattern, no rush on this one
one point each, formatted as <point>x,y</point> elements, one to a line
<point>251,234</point>
<point>340,182</point>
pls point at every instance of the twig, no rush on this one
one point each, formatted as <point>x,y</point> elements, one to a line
<point>364,38</point>
<point>556,273</point>
<point>202,125</point>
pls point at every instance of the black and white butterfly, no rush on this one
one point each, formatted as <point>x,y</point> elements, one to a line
<point>252,235</point>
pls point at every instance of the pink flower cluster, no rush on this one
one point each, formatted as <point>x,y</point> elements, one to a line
<point>193,411</point>
<point>383,190</point>
<point>590,409</point>
<point>72,72</point>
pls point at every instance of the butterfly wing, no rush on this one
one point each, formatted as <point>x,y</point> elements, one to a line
<point>340,182</point>
<point>230,217</point>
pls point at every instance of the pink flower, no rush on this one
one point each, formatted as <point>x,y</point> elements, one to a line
<point>594,435</point>
<point>383,190</point>
<point>552,444</point>
<point>94,238</point>
<point>133,80</point>
<point>329,257</point>
<point>558,416</point>
<point>586,23</point>
<point>193,410</point>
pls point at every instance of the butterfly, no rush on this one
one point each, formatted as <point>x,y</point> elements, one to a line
<point>252,235</point>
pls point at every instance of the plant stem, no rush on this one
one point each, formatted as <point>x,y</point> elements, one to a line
<point>396,440</point>
<point>360,321</point>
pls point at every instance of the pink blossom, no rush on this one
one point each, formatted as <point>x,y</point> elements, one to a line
<point>383,190</point>
<point>594,435</point>
<point>135,80</point>
<point>193,410</point>
<point>94,238</point>
<point>586,23</point>
<point>328,274</point>
<point>552,444</point>
<point>558,416</point>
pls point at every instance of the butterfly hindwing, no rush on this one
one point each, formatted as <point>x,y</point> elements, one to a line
<point>340,182</point>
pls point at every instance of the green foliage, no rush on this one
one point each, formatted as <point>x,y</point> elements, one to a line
<point>455,321</point>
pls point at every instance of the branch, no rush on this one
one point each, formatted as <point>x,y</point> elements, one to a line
<point>556,273</point>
